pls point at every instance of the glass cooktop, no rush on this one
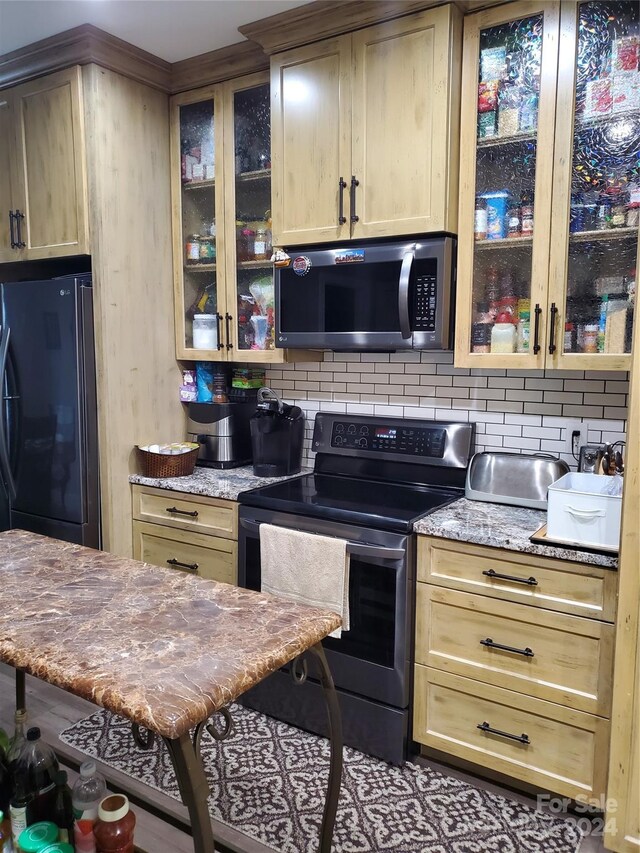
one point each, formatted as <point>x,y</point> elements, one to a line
<point>386,506</point>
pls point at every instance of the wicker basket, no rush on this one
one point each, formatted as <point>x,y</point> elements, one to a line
<point>159,465</point>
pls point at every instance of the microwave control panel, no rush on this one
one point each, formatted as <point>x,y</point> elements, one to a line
<point>424,314</point>
<point>410,441</point>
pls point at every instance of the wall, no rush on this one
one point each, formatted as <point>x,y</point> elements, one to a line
<point>517,410</point>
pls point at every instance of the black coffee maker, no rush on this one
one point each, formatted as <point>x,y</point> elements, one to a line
<point>277,433</point>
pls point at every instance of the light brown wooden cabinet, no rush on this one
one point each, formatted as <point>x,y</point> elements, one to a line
<point>221,194</point>
<point>365,132</point>
<point>548,231</point>
<point>44,191</point>
<point>189,533</point>
<point>523,668</point>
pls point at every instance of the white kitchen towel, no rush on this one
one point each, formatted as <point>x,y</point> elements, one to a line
<point>306,568</point>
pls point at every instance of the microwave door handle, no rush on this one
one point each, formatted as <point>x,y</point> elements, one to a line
<point>403,295</point>
<point>356,549</point>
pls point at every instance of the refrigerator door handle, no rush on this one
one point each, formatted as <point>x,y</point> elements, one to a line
<point>5,465</point>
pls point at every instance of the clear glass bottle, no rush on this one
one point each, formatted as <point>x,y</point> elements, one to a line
<point>87,793</point>
<point>503,334</point>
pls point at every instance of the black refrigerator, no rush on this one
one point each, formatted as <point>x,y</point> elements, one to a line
<point>48,429</point>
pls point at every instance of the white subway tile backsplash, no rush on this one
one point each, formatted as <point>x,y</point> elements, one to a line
<point>521,410</point>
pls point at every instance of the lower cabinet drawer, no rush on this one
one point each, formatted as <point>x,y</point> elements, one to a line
<point>549,655</point>
<point>537,742</point>
<point>193,513</point>
<point>208,556</point>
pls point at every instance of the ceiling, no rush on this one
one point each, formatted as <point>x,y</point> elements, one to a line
<point>170,29</point>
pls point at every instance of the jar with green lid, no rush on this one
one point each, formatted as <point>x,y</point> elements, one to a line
<point>58,847</point>
<point>38,836</point>
<point>208,249</point>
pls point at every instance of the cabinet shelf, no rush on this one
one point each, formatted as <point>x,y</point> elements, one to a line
<point>253,265</point>
<point>200,267</point>
<point>258,175</point>
<point>498,141</point>
<point>503,243</point>
<point>190,186</point>
<point>604,120</point>
<point>608,234</point>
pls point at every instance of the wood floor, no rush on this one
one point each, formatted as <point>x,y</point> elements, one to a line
<point>162,823</point>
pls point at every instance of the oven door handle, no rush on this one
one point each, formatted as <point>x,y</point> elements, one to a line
<point>355,549</point>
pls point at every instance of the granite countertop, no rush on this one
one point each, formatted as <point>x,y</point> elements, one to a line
<point>501,526</point>
<point>160,647</point>
<point>214,482</point>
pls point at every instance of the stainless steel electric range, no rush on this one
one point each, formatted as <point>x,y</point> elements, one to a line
<point>372,478</point>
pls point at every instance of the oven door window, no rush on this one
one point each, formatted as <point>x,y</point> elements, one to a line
<point>372,607</point>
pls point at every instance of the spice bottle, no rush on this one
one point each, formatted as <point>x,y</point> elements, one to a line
<point>115,825</point>
<point>526,212</point>
<point>514,221</point>
<point>523,332</point>
<point>569,337</point>
<point>480,219</point>
<point>192,248</point>
<point>503,334</point>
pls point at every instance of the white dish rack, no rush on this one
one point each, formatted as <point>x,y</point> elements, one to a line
<point>584,509</point>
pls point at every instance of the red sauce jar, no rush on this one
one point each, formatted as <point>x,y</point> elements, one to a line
<point>114,827</point>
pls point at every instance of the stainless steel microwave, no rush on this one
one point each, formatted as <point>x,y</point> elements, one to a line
<point>395,295</point>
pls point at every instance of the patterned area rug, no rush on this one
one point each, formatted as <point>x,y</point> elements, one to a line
<point>269,781</point>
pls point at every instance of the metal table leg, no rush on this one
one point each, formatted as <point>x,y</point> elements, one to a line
<point>194,790</point>
<point>335,736</point>
<point>21,697</point>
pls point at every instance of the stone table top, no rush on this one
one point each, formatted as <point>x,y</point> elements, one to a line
<point>162,648</point>
<point>501,526</point>
<point>213,482</point>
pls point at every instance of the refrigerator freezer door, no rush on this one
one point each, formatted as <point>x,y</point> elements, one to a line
<point>46,417</point>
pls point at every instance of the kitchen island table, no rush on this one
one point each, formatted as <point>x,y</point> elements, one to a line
<point>165,650</point>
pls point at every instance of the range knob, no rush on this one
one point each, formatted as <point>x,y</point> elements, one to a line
<point>338,440</point>
<point>339,427</point>
<point>351,430</point>
<point>362,442</point>
<point>364,430</point>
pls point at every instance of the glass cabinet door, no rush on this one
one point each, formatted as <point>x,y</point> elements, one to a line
<point>508,105</point>
<point>593,269</point>
<point>249,249</point>
<point>198,298</point>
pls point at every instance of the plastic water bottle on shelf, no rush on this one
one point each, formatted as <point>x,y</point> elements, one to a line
<point>89,789</point>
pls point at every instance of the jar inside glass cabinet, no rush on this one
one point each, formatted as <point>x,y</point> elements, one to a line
<point>506,151</point>
<point>605,179</point>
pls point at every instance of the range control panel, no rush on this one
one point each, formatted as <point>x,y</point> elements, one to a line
<point>407,440</point>
<point>424,315</point>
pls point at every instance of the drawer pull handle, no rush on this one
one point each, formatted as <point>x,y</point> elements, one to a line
<point>491,645</point>
<point>190,567</point>
<point>175,511</point>
<point>490,573</point>
<point>485,727</point>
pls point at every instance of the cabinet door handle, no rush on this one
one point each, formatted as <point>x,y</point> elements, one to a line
<point>491,645</point>
<point>537,311</point>
<point>14,245</point>
<point>552,329</point>
<point>352,200</point>
<point>491,573</point>
<point>219,329</point>
<point>20,244</point>
<point>227,325</point>
<point>190,567</point>
<point>175,511</point>
<point>485,727</point>
<point>342,185</point>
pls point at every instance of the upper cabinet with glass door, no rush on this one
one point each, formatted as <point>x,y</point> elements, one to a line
<point>508,92</point>
<point>248,227</point>
<point>596,212</point>
<point>196,242</point>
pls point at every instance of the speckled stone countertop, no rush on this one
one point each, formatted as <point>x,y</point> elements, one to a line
<point>160,647</point>
<point>213,482</point>
<point>501,526</point>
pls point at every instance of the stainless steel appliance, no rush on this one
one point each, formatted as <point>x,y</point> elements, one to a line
<point>373,477</point>
<point>222,430</point>
<point>518,479</point>
<point>277,434</point>
<point>363,296</point>
<point>48,433</point>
